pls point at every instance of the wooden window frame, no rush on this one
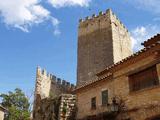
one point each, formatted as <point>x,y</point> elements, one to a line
<point>104,100</point>
<point>143,79</point>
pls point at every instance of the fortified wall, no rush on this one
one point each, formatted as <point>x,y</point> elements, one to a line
<point>48,85</point>
<point>48,91</point>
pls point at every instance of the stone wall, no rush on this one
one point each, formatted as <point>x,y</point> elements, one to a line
<point>3,112</point>
<point>67,107</point>
<point>1,115</point>
<point>47,109</point>
<point>141,104</point>
<point>122,46</point>
<point>48,88</point>
<point>60,108</point>
<point>102,41</point>
<point>48,85</point>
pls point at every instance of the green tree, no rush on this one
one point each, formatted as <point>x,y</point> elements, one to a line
<point>17,104</point>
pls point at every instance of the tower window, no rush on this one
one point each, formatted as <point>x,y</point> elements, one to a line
<point>104,97</point>
<point>143,79</point>
<point>93,103</point>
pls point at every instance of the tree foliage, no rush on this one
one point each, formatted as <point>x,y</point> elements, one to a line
<point>17,104</point>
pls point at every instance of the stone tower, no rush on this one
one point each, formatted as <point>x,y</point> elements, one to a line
<point>102,40</point>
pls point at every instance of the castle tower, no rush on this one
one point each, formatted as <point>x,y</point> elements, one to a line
<point>102,40</point>
<point>43,83</point>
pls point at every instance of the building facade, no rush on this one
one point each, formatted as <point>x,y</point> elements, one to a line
<point>127,90</point>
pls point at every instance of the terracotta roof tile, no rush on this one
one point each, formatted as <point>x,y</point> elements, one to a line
<point>152,40</point>
<point>93,81</point>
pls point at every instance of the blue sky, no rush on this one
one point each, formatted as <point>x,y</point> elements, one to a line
<point>44,33</point>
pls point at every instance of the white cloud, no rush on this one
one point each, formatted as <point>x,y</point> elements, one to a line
<point>55,23</point>
<point>23,14</point>
<point>150,5</point>
<point>141,34</point>
<point>64,3</point>
<point>56,32</point>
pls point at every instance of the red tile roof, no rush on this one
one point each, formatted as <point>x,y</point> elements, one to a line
<point>152,40</point>
<point>94,81</point>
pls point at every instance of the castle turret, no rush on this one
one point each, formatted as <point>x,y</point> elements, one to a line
<point>102,40</point>
<point>43,83</point>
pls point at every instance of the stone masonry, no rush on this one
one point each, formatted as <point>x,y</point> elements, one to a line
<point>102,40</point>
<point>1,115</point>
<point>67,107</point>
<point>2,112</point>
<point>48,85</point>
<point>48,90</point>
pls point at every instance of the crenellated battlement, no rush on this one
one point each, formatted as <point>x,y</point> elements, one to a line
<point>55,80</point>
<point>119,21</point>
<point>108,15</point>
<point>47,83</point>
<point>62,83</point>
<point>94,16</point>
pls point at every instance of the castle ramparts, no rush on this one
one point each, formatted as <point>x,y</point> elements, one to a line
<point>108,13</point>
<point>49,89</point>
<point>49,85</point>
